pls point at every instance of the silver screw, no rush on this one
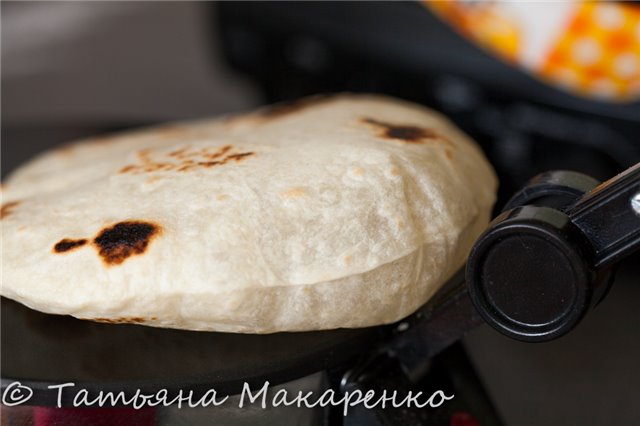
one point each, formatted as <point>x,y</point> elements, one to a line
<point>635,203</point>
<point>403,326</point>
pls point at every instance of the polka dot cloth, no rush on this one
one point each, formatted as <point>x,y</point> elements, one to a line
<point>599,54</point>
<point>590,49</point>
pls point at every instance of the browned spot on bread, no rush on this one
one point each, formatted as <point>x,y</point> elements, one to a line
<point>67,244</point>
<point>287,107</point>
<point>152,167</point>
<point>185,159</point>
<point>240,156</point>
<point>128,168</point>
<point>179,152</point>
<point>405,133</point>
<point>143,155</point>
<point>219,153</point>
<point>124,239</point>
<point>449,153</point>
<point>358,171</point>
<point>222,197</point>
<point>8,208</point>
<point>400,222</point>
<point>294,193</point>
<point>121,320</point>
<point>208,163</point>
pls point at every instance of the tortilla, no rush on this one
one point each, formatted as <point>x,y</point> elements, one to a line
<point>340,211</point>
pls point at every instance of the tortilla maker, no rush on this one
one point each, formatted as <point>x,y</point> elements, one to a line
<point>541,265</point>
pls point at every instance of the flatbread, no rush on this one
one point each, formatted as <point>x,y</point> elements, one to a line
<point>340,211</point>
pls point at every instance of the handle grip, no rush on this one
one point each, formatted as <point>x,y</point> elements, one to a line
<point>542,264</point>
<point>610,218</point>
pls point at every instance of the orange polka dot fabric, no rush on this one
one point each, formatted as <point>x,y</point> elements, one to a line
<point>599,54</point>
<point>486,24</point>
<point>590,49</point>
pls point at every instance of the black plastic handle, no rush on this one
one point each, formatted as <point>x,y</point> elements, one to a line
<point>610,218</point>
<point>542,264</point>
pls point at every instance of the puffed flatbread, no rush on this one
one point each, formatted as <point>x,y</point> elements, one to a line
<point>339,211</point>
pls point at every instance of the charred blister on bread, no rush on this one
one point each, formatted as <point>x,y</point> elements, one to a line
<point>216,154</point>
<point>185,159</point>
<point>124,239</point>
<point>122,320</point>
<point>67,244</point>
<point>239,156</point>
<point>404,132</point>
<point>116,243</point>
<point>7,208</point>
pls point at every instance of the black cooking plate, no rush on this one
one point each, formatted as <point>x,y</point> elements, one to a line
<point>40,349</point>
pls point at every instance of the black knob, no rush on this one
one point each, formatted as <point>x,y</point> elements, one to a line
<point>542,264</point>
<point>557,189</point>
<point>527,274</point>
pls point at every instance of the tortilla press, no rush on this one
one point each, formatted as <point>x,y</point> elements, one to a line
<point>541,265</point>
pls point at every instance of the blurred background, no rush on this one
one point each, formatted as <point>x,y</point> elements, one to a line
<point>71,69</point>
<point>540,86</point>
